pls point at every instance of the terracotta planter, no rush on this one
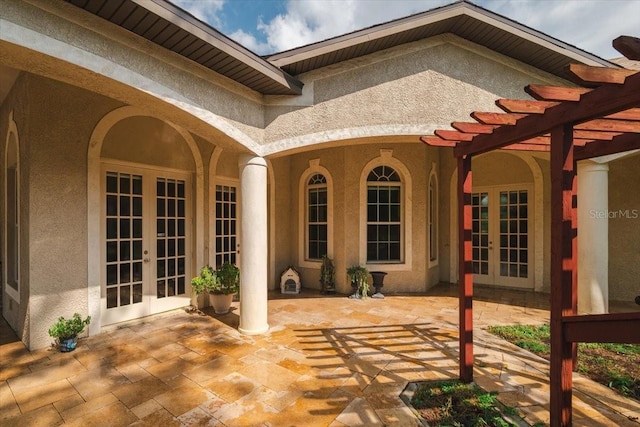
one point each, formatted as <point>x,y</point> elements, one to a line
<point>221,303</point>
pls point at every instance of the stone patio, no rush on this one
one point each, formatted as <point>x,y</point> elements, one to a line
<point>327,361</point>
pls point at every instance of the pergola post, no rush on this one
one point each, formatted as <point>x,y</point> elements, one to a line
<point>465,275</point>
<point>563,270</point>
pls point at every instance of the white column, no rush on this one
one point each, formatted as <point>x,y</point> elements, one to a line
<point>253,246</point>
<point>593,237</point>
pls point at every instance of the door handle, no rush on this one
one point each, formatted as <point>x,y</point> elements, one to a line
<point>146,260</point>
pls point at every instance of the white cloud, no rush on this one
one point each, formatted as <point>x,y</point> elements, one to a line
<point>310,21</point>
<point>588,24</point>
<point>250,42</point>
<point>205,10</point>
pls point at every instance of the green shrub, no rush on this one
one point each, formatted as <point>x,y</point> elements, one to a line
<point>68,328</point>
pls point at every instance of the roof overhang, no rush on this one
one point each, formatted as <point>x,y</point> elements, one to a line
<point>463,19</point>
<point>168,26</point>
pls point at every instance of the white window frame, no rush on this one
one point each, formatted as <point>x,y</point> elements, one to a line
<point>432,218</point>
<point>225,182</point>
<point>12,140</point>
<point>386,159</point>
<point>314,168</point>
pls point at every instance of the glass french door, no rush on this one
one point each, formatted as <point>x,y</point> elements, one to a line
<point>145,242</point>
<point>226,224</point>
<point>501,230</point>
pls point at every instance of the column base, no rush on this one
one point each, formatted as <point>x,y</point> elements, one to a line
<point>259,331</point>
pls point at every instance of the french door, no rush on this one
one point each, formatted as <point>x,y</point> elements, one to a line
<point>226,209</point>
<point>146,239</point>
<point>501,236</point>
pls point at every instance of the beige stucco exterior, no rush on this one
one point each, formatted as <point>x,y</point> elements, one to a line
<point>89,91</point>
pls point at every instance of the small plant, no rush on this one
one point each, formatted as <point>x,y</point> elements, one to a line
<point>358,276</point>
<point>65,329</point>
<point>225,280</point>
<point>206,282</point>
<point>327,274</point>
<point>228,279</point>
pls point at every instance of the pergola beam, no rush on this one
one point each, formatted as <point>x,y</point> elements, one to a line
<point>524,106</point>
<point>596,103</point>
<point>563,269</point>
<point>596,76</point>
<point>603,328</point>
<point>628,46</point>
<point>556,93</point>
<point>623,142</point>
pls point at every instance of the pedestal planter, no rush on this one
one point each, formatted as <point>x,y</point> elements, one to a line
<point>378,283</point>
<point>221,303</point>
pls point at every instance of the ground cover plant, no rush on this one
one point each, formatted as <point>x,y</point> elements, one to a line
<point>454,403</point>
<point>614,365</point>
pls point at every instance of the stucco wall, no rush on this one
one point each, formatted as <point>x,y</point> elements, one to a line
<point>345,166</point>
<point>411,89</point>
<point>118,64</point>
<point>149,141</point>
<point>624,229</point>
<point>60,121</point>
<point>16,313</point>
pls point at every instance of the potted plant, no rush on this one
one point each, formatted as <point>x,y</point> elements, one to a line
<point>327,275</point>
<point>228,285</point>
<point>206,282</point>
<point>220,284</point>
<point>358,276</point>
<point>66,331</point>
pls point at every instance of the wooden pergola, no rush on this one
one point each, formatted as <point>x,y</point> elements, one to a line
<point>600,117</point>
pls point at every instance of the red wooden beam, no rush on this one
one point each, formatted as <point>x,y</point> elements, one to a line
<point>436,141</point>
<point>465,275</point>
<point>472,127</point>
<point>555,93</point>
<point>497,118</point>
<point>610,125</point>
<point>453,135</point>
<point>563,267</point>
<point>630,114</point>
<point>602,101</point>
<point>527,147</point>
<point>621,328</point>
<point>628,46</point>
<point>594,134</point>
<point>588,75</point>
<point>525,106</point>
<point>623,142</point>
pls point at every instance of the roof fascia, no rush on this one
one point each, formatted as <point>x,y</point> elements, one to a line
<point>429,17</point>
<point>187,22</point>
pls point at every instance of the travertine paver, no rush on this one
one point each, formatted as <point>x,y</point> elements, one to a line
<point>326,361</point>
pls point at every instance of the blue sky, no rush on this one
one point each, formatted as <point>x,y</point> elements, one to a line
<point>269,26</point>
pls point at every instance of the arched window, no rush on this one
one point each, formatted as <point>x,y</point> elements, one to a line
<point>433,219</point>
<point>384,215</point>
<point>317,217</point>
<point>12,214</point>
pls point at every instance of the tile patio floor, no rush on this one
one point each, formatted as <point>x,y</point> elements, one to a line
<point>327,361</point>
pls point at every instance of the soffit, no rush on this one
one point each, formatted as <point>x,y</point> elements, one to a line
<point>172,28</point>
<point>463,19</point>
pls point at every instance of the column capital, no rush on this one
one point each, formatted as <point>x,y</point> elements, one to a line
<point>591,166</point>
<point>249,159</point>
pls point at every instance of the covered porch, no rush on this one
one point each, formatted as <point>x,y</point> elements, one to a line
<point>326,361</point>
